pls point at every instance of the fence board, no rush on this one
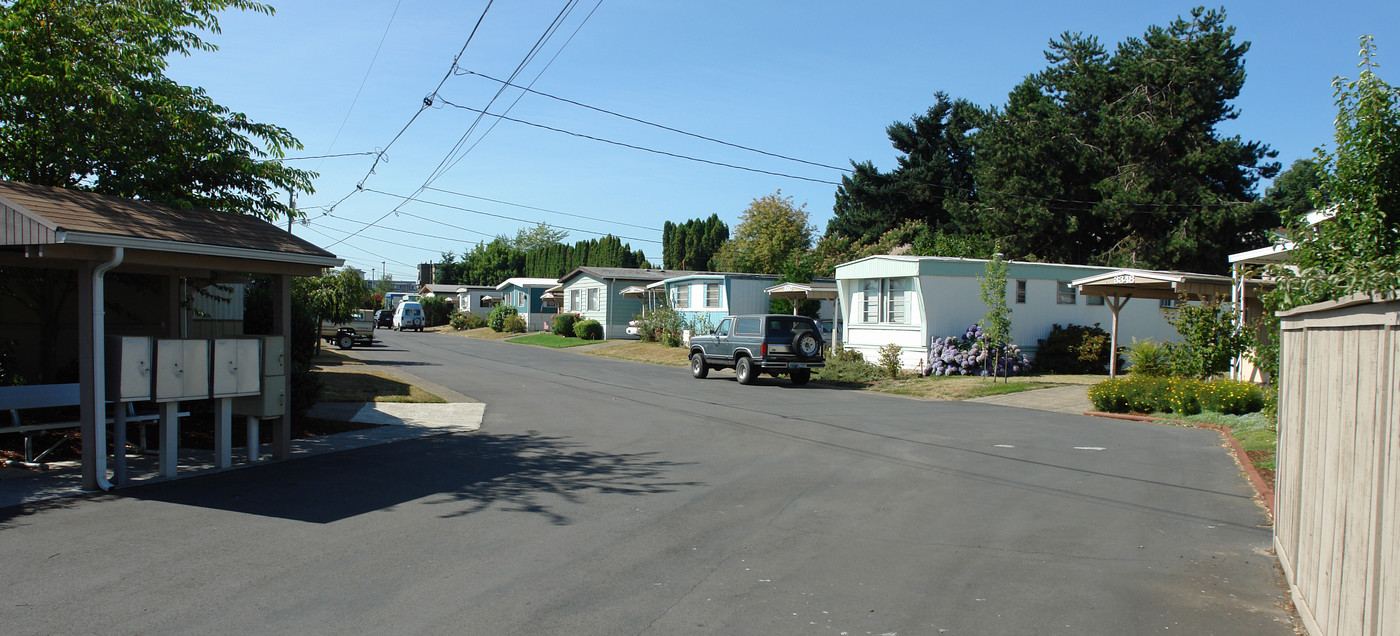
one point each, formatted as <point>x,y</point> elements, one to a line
<point>1338,465</point>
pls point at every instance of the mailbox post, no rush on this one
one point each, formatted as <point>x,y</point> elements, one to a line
<point>236,373</point>
<point>182,373</point>
<point>128,380</point>
<point>271,401</point>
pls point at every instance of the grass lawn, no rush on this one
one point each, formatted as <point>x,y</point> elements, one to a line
<point>369,386</point>
<point>553,341</point>
<point>652,352</point>
<point>962,387</point>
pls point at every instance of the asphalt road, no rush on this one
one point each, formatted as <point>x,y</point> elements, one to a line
<point>610,497</point>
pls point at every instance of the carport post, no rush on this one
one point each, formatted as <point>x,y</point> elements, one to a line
<point>1115,303</point>
<point>282,326</point>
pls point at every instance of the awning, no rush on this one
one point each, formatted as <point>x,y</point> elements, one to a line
<point>803,291</point>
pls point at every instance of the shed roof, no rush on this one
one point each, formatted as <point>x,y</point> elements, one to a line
<point>1143,283</point>
<point>528,283</point>
<point>69,219</point>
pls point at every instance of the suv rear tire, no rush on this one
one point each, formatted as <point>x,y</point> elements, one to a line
<point>698,368</point>
<point>801,376</point>
<point>744,371</point>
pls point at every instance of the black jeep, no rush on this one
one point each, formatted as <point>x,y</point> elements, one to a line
<point>770,343</point>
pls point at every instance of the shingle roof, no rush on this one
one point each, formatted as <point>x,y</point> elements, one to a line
<point>61,210</point>
<point>627,273</point>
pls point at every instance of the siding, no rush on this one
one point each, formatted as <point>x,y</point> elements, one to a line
<point>1338,476</point>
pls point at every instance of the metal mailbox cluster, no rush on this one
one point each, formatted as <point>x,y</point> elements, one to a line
<point>244,375</point>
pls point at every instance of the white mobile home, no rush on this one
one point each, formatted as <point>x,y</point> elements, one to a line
<point>907,300</point>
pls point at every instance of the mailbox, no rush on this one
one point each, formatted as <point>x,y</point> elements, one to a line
<point>270,403</point>
<point>237,367</point>
<point>128,368</point>
<point>182,370</point>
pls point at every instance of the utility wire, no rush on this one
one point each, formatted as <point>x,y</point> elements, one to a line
<point>531,207</point>
<point>538,75</point>
<point>636,147</point>
<point>378,256</point>
<point>407,199</point>
<point>364,79</point>
<point>439,170</point>
<point>655,125</point>
<point>427,103</point>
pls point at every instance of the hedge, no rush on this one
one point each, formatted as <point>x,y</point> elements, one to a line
<point>1184,396</point>
<point>588,329</point>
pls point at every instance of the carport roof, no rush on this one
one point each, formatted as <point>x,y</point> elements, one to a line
<point>46,216</point>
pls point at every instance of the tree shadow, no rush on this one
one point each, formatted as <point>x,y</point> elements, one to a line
<point>465,473</point>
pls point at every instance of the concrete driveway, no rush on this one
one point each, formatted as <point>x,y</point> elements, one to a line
<point>605,497</point>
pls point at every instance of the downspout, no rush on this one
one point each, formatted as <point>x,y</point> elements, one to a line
<point>99,362</point>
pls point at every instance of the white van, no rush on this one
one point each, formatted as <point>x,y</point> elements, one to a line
<point>408,315</point>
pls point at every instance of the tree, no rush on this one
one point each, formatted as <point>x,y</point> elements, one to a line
<point>693,245</point>
<point>934,168</point>
<point>1357,250</point>
<point>332,297</point>
<point>997,322</point>
<point>1293,191</point>
<point>1116,159</point>
<point>542,235</point>
<point>771,233</point>
<point>85,104</point>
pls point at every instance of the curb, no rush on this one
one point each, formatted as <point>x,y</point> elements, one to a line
<point>1260,486</point>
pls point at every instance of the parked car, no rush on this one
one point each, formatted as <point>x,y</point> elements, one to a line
<point>359,330</point>
<point>384,318</point>
<point>775,344</point>
<point>408,315</point>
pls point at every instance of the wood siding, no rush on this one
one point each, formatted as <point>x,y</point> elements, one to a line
<point>1338,466</point>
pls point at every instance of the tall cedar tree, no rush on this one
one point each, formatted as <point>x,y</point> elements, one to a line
<point>85,103</point>
<point>692,245</point>
<point>935,168</point>
<point>491,263</point>
<point>1116,159</point>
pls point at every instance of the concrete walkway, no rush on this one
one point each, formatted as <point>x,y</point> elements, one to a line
<point>1061,399</point>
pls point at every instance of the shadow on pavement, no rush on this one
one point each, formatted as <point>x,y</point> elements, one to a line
<point>477,471</point>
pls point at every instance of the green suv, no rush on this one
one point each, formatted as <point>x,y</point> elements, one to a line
<point>775,344</point>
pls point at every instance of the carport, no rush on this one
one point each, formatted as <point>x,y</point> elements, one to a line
<point>808,291</point>
<point>1118,287</point>
<point>93,235</point>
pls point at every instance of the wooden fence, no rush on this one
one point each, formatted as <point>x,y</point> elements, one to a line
<point>1337,506</point>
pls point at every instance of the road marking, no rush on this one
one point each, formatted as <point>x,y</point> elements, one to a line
<point>1093,448</point>
<point>1003,446</point>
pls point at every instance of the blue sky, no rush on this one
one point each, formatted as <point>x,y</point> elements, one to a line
<point>816,81</point>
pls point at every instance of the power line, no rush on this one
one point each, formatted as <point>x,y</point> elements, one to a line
<point>427,103</point>
<point>538,75</point>
<point>343,154</point>
<point>499,216</point>
<point>378,256</point>
<point>653,124</point>
<point>439,170</point>
<point>364,79</point>
<point>642,148</point>
<point>531,207</point>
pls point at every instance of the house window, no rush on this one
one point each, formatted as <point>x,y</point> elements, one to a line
<point>712,295</point>
<point>593,299</point>
<point>1065,294</point>
<point>682,296</point>
<point>1021,292</point>
<point>520,298</point>
<point>573,300</point>
<point>1093,300</point>
<point>1167,303</point>
<point>885,300</point>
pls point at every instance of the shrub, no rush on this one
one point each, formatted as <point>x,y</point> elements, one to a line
<point>663,325</point>
<point>458,321</point>
<point>564,325</point>
<point>889,359</point>
<point>513,323</point>
<point>1209,339</point>
<point>305,389</point>
<point>847,365</point>
<point>588,329</point>
<point>497,320</point>
<point>436,311</point>
<point>1182,396</point>
<point>1074,349</point>
<point>1149,359</point>
<point>1232,397</point>
<point>970,354</point>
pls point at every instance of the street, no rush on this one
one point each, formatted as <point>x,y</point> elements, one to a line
<point>611,497</point>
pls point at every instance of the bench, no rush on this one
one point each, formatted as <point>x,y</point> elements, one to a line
<point>17,398</point>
